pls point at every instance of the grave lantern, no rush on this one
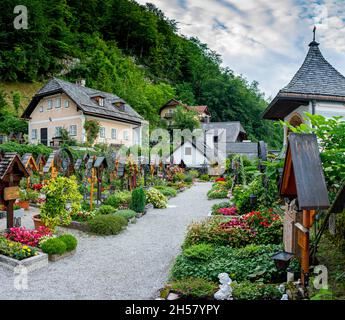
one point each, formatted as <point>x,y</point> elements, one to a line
<point>303,180</point>
<point>282,260</point>
<point>12,171</point>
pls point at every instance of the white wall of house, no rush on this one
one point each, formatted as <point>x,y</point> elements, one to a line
<point>191,156</point>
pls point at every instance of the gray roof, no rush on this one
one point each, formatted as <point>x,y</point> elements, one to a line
<point>233,129</point>
<point>317,76</point>
<point>82,96</point>
<point>317,79</point>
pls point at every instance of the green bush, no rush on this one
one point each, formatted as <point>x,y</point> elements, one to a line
<point>138,200</point>
<point>194,288</point>
<point>252,263</point>
<point>200,251</point>
<point>156,198</point>
<point>167,191</point>
<point>127,214</point>
<point>204,177</point>
<point>179,176</point>
<point>188,179</point>
<point>255,291</point>
<point>70,241</point>
<point>107,224</point>
<point>105,209</point>
<point>54,246</point>
<point>194,173</point>
<point>119,199</point>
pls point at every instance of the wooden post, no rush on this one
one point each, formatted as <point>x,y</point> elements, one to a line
<point>91,187</point>
<point>305,248</point>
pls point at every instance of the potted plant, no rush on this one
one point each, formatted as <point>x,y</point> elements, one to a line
<point>23,201</point>
<point>62,201</point>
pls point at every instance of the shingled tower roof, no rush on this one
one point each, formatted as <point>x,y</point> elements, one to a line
<point>317,79</point>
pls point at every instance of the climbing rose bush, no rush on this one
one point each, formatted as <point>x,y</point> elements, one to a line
<point>28,237</point>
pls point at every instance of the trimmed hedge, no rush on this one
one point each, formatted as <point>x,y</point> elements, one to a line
<point>70,241</point>
<point>127,214</point>
<point>138,200</point>
<point>54,246</point>
<point>107,224</point>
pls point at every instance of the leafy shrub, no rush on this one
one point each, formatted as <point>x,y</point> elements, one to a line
<point>218,191</point>
<point>138,200</point>
<point>54,246</point>
<point>204,177</point>
<point>83,215</point>
<point>188,179</point>
<point>155,197</point>
<point>167,191</point>
<point>200,251</point>
<point>194,173</point>
<point>179,176</point>
<point>127,214</point>
<point>119,199</point>
<point>215,231</point>
<point>107,224</point>
<point>105,209</point>
<point>194,287</point>
<point>70,241</point>
<point>249,263</point>
<point>255,291</point>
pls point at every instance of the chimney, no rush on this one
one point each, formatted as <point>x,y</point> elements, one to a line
<point>81,82</point>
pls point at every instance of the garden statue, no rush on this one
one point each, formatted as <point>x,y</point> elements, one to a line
<point>225,289</point>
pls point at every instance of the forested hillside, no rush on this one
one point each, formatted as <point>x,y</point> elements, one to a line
<point>132,50</point>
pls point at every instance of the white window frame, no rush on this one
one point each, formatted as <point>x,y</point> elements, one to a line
<point>41,108</point>
<point>101,101</point>
<point>34,134</point>
<point>73,132</point>
<point>102,132</point>
<point>58,131</point>
<point>66,104</point>
<point>125,135</point>
<point>114,133</point>
<point>49,104</point>
<point>57,103</point>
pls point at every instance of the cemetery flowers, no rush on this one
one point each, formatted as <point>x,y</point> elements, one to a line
<point>28,237</point>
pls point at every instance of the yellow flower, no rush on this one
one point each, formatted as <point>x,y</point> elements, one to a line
<point>25,247</point>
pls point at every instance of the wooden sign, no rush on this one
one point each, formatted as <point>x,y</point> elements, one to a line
<point>11,193</point>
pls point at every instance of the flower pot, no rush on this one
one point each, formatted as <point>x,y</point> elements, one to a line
<point>37,221</point>
<point>24,204</point>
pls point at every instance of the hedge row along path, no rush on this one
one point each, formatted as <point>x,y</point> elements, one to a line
<point>132,265</point>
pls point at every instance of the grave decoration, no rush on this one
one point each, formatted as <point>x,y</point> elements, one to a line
<point>303,184</point>
<point>91,178</point>
<point>100,164</point>
<point>12,170</point>
<point>30,165</point>
<point>50,166</point>
<point>41,162</point>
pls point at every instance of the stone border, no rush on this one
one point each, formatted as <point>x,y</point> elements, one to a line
<point>57,257</point>
<point>32,263</point>
<point>76,225</point>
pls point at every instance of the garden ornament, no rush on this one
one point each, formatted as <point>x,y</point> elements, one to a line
<point>225,289</point>
<point>285,297</point>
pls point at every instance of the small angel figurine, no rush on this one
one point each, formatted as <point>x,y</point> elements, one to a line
<point>225,289</point>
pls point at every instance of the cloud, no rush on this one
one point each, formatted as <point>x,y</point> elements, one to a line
<point>263,40</point>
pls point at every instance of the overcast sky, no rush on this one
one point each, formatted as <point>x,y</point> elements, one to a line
<point>264,40</point>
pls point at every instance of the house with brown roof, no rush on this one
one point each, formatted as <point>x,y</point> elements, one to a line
<point>61,104</point>
<point>167,110</point>
<point>316,88</point>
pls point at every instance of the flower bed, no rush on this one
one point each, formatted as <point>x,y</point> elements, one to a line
<point>26,236</point>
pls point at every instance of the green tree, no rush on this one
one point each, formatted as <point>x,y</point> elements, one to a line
<point>185,119</point>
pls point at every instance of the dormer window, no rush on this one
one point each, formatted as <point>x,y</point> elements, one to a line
<point>120,105</point>
<point>99,100</point>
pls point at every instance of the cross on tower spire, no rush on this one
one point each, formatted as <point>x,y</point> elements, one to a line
<point>314,32</point>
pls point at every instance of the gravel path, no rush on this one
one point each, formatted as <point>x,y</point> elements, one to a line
<point>132,265</point>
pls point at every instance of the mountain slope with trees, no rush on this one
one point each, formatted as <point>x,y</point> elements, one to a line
<point>132,50</point>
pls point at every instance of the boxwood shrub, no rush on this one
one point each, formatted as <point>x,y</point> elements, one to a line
<point>54,246</point>
<point>118,199</point>
<point>106,209</point>
<point>107,224</point>
<point>138,200</point>
<point>70,241</point>
<point>127,214</point>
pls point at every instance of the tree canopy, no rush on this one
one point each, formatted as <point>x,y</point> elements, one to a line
<point>129,49</point>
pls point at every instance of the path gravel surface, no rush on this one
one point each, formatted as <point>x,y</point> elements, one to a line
<point>132,265</point>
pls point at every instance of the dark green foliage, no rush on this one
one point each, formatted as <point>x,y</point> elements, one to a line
<point>105,209</point>
<point>26,148</point>
<point>127,214</point>
<point>200,251</point>
<point>120,198</point>
<point>256,291</point>
<point>138,200</point>
<point>54,246</point>
<point>194,288</point>
<point>107,224</point>
<point>204,177</point>
<point>132,50</point>
<point>248,263</point>
<point>70,241</point>
<point>188,179</point>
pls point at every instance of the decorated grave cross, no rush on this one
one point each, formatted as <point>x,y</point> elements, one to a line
<point>30,166</point>
<point>303,181</point>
